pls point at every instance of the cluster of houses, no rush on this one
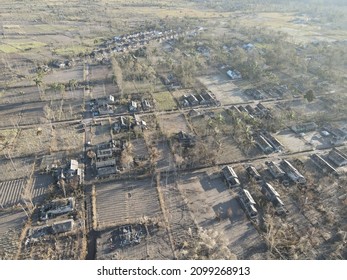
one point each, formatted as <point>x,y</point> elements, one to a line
<point>72,173</point>
<point>59,227</point>
<point>58,215</point>
<point>259,94</point>
<point>337,135</point>
<point>137,40</point>
<point>258,111</point>
<point>125,123</point>
<point>246,200</point>
<point>285,170</point>
<point>328,163</point>
<point>107,157</point>
<point>204,98</point>
<point>106,106</point>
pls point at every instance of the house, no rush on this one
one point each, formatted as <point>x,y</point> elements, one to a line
<point>277,145</point>
<point>193,101</point>
<point>105,109</point>
<point>337,157</point>
<point>146,105</point>
<point>292,172</point>
<point>248,204</point>
<point>253,173</point>
<point>304,127</point>
<point>256,94</point>
<point>57,207</point>
<point>110,99</point>
<point>322,164</point>
<point>243,109</point>
<point>133,106</point>
<point>263,144</point>
<point>234,75</point>
<point>250,109</point>
<point>202,100</point>
<point>235,109</point>
<point>269,191</point>
<point>275,170</point>
<point>230,176</point>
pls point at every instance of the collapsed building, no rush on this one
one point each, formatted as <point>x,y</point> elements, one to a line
<point>57,207</point>
<point>275,170</point>
<point>253,173</point>
<point>337,157</point>
<point>273,196</point>
<point>248,204</point>
<point>292,172</point>
<point>230,176</point>
<point>322,164</point>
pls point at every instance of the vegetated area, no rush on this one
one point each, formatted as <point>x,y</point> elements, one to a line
<point>173,129</point>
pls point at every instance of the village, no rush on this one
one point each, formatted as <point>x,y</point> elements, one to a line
<point>155,141</point>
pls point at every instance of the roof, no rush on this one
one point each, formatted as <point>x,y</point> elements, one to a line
<point>247,196</point>
<point>74,164</point>
<point>64,226</point>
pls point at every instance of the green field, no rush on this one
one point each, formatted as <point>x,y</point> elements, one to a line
<point>164,101</point>
<point>14,47</point>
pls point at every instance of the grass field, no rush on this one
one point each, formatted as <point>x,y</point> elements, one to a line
<point>164,101</point>
<point>14,47</point>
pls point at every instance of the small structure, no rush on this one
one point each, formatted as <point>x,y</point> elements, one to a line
<point>248,204</point>
<point>230,176</point>
<point>133,106</point>
<point>186,139</point>
<point>304,127</point>
<point>275,170</point>
<point>337,157</point>
<point>146,105</point>
<point>292,172</point>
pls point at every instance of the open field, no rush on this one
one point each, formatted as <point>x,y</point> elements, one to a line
<point>172,124</point>
<point>164,101</point>
<point>226,91</point>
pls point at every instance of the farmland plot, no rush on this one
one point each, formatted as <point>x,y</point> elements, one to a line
<point>10,229</point>
<point>32,142</point>
<point>67,138</point>
<point>125,202</point>
<point>11,192</point>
